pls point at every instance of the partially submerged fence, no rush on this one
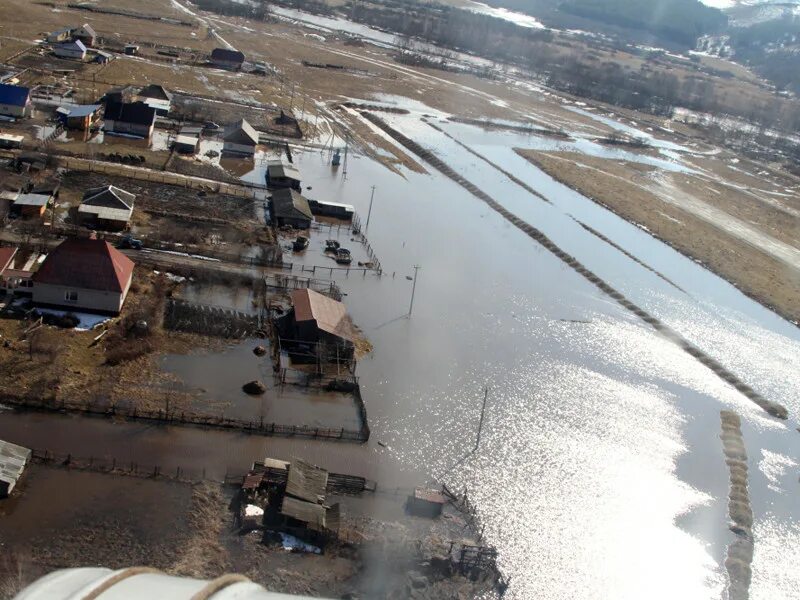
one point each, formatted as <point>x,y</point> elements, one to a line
<point>193,317</point>
<point>184,418</point>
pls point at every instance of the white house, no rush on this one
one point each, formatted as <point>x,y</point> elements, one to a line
<point>84,274</point>
<point>74,50</point>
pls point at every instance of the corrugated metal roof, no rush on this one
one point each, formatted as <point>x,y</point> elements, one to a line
<point>14,95</point>
<point>187,140</point>
<point>13,459</point>
<point>109,196</point>
<point>330,315</point>
<point>306,481</point>
<point>286,201</point>
<point>105,213</point>
<point>241,132</point>
<point>277,168</point>
<point>83,110</point>
<point>32,200</point>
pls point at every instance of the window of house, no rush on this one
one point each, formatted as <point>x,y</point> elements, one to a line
<point>71,296</point>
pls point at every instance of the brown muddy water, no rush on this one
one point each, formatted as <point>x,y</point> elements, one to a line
<point>600,473</point>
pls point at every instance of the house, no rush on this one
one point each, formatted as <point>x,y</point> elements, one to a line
<point>288,207</point>
<point>227,59</point>
<point>332,209</point>
<point>81,117</point>
<point>107,207</point>
<point>75,50</point>
<point>60,35</point>
<point>10,142</point>
<point>15,100</point>
<point>240,138</point>
<point>85,34</point>
<point>316,329</point>
<point>13,460</point>
<point>84,274</point>
<point>156,97</point>
<point>280,176</point>
<point>134,118</point>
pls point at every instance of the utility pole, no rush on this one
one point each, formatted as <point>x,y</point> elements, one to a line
<point>369,212</point>
<point>413,289</point>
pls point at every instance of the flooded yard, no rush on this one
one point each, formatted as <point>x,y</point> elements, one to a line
<point>219,377</point>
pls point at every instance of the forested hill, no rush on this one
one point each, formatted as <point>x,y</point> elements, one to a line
<point>678,21</point>
<point>681,21</point>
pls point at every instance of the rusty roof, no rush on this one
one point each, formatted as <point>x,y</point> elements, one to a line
<point>86,263</point>
<point>428,495</point>
<point>330,315</point>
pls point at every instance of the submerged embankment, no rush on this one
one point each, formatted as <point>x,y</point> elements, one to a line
<point>771,407</point>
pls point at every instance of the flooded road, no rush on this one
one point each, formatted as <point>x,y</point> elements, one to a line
<point>600,467</point>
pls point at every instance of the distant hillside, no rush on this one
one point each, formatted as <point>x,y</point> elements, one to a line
<point>681,21</point>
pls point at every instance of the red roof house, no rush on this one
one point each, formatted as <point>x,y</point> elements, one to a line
<point>84,274</point>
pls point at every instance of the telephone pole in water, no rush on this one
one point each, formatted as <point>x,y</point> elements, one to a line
<point>413,289</point>
<point>369,212</point>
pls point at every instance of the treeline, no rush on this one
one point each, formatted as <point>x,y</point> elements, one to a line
<point>679,21</point>
<point>230,8</point>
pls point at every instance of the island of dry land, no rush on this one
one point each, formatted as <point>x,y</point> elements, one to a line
<point>738,219</point>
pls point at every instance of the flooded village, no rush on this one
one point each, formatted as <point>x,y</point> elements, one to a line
<point>284,296</point>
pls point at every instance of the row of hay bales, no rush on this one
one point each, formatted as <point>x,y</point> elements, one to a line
<point>773,408</point>
<point>740,551</point>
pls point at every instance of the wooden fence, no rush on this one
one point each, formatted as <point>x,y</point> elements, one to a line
<point>183,418</point>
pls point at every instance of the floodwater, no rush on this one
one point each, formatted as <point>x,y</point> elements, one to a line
<point>599,467</point>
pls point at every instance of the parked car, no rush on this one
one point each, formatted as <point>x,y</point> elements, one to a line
<point>210,125</point>
<point>343,256</point>
<point>131,243</point>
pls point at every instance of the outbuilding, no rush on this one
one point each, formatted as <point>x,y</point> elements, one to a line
<point>15,100</point>
<point>133,118</point>
<point>282,176</point>
<point>107,207</point>
<point>240,138</point>
<point>186,143</point>
<point>426,503</point>
<point>60,36</point>
<point>75,50</point>
<point>317,328</point>
<point>225,58</point>
<point>81,117</point>
<point>332,209</point>
<point>30,205</point>
<point>10,141</point>
<point>103,57</point>
<point>85,274</point>
<point>288,207</point>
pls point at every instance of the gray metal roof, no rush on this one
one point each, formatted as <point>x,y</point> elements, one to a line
<point>306,481</point>
<point>32,200</point>
<point>290,204</point>
<point>277,168</point>
<point>241,132</point>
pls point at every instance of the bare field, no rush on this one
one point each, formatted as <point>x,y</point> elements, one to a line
<point>738,237</point>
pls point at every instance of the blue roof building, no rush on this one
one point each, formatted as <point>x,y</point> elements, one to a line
<point>15,100</point>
